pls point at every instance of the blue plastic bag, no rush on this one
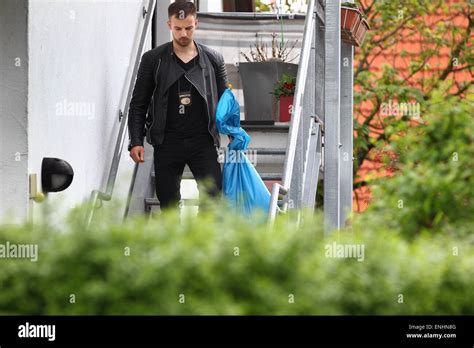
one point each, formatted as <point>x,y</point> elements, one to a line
<point>241,183</point>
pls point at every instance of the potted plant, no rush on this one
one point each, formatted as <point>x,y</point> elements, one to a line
<point>354,24</point>
<point>259,74</point>
<point>284,92</point>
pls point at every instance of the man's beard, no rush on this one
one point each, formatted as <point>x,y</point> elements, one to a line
<point>183,43</point>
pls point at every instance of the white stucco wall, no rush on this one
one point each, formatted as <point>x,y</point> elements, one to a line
<point>13,110</point>
<point>79,56</point>
<point>210,6</point>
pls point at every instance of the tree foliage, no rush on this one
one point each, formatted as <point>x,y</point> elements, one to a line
<point>434,188</point>
<point>414,50</point>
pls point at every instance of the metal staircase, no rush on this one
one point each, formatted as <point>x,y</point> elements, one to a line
<point>317,141</point>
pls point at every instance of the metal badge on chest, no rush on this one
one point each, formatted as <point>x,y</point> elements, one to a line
<point>184,96</point>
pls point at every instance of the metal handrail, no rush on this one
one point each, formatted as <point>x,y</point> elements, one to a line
<point>284,187</point>
<point>106,195</point>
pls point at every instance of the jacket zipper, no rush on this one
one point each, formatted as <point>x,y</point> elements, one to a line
<point>207,105</point>
<point>153,103</point>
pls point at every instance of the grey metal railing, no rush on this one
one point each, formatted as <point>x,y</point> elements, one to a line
<point>284,187</point>
<point>97,195</point>
<point>325,75</point>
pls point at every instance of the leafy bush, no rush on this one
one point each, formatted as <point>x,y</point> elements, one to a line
<point>279,271</point>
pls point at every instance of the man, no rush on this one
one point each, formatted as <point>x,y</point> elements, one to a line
<point>174,101</point>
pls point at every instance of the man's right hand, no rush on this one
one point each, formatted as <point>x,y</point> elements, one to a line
<point>138,154</point>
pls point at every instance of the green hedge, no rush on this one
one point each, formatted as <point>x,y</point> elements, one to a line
<point>197,258</point>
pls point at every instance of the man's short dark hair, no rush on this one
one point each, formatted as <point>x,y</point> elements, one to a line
<point>181,9</point>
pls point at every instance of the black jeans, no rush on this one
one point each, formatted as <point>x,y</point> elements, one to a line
<point>170,158</point>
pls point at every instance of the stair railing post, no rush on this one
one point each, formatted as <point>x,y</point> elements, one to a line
<point>332,104</point>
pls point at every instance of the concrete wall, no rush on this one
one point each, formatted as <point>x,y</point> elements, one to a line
<point>13,110</point>
<point>80,52</point>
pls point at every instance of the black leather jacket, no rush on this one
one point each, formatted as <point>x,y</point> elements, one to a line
<point>156,74</point>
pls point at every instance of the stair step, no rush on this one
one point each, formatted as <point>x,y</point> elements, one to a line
<point>264,176</point>
<point>187,202</point>
<point>155,202</point>
<point>271,176</point>
<point>263,151</point>
<point>264,136</point>
<point>277,127</point>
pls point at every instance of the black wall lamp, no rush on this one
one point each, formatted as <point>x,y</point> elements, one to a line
<point>56,175</point>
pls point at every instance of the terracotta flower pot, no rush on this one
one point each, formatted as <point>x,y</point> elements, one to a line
<point>286,103</point>
<point>361,31</point>
<point>350,19</point>
<point>353,26</point>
